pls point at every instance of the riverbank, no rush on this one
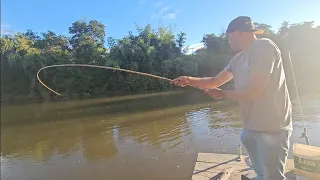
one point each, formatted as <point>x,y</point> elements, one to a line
<point>50,97</point>
<point>62,109</point>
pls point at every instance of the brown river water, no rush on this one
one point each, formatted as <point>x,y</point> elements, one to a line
<point>150,136</point>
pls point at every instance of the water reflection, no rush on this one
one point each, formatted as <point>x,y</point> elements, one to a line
<point>152,137</point>
<point>41,142</point>
<point>154,127</point>
<point>92,108</point>
<point>69,126</point>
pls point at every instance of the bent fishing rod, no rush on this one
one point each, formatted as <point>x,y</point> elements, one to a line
<point>101,67</point>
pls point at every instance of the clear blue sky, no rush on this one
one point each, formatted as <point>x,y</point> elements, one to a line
<point>193,17</point>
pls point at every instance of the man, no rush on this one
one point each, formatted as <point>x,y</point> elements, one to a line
<point>261,90</point>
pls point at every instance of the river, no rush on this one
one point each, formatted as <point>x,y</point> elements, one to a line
<point>149,136</point>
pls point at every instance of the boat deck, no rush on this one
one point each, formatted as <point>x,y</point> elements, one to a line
<point>209,165</point>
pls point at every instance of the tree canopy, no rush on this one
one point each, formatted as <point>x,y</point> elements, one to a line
<point>152,50</point>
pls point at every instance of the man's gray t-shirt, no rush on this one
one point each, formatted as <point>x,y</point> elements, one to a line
<point>273,111</point>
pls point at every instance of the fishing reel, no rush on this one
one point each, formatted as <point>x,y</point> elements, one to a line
<point>305,135</point>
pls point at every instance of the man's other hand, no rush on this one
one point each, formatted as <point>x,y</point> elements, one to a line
<point>215,93</point>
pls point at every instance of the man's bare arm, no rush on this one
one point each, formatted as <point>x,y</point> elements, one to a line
<point>206,82</point>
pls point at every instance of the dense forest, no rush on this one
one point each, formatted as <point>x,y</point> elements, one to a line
<point>159,51</point>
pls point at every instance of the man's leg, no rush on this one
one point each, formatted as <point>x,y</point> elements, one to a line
<point>273,148</point>
<point>249,142</point>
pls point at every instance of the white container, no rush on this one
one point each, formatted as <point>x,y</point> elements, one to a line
<point>306,162</point>
<point>301,178</point>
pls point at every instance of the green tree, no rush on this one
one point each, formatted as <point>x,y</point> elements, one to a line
<point>181,40</point>
<point>155,50</point>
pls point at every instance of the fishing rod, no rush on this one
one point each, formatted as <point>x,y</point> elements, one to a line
<point>304,134</point>
<point>95,66</point>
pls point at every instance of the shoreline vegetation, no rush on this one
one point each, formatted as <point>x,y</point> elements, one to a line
<point>159,51</point>
<point>48,111</point>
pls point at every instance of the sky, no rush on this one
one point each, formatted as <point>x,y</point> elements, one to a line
<point>195,18</point>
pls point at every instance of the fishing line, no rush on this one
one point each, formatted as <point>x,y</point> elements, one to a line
<point>304,134</point>
<point>96,66</point>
